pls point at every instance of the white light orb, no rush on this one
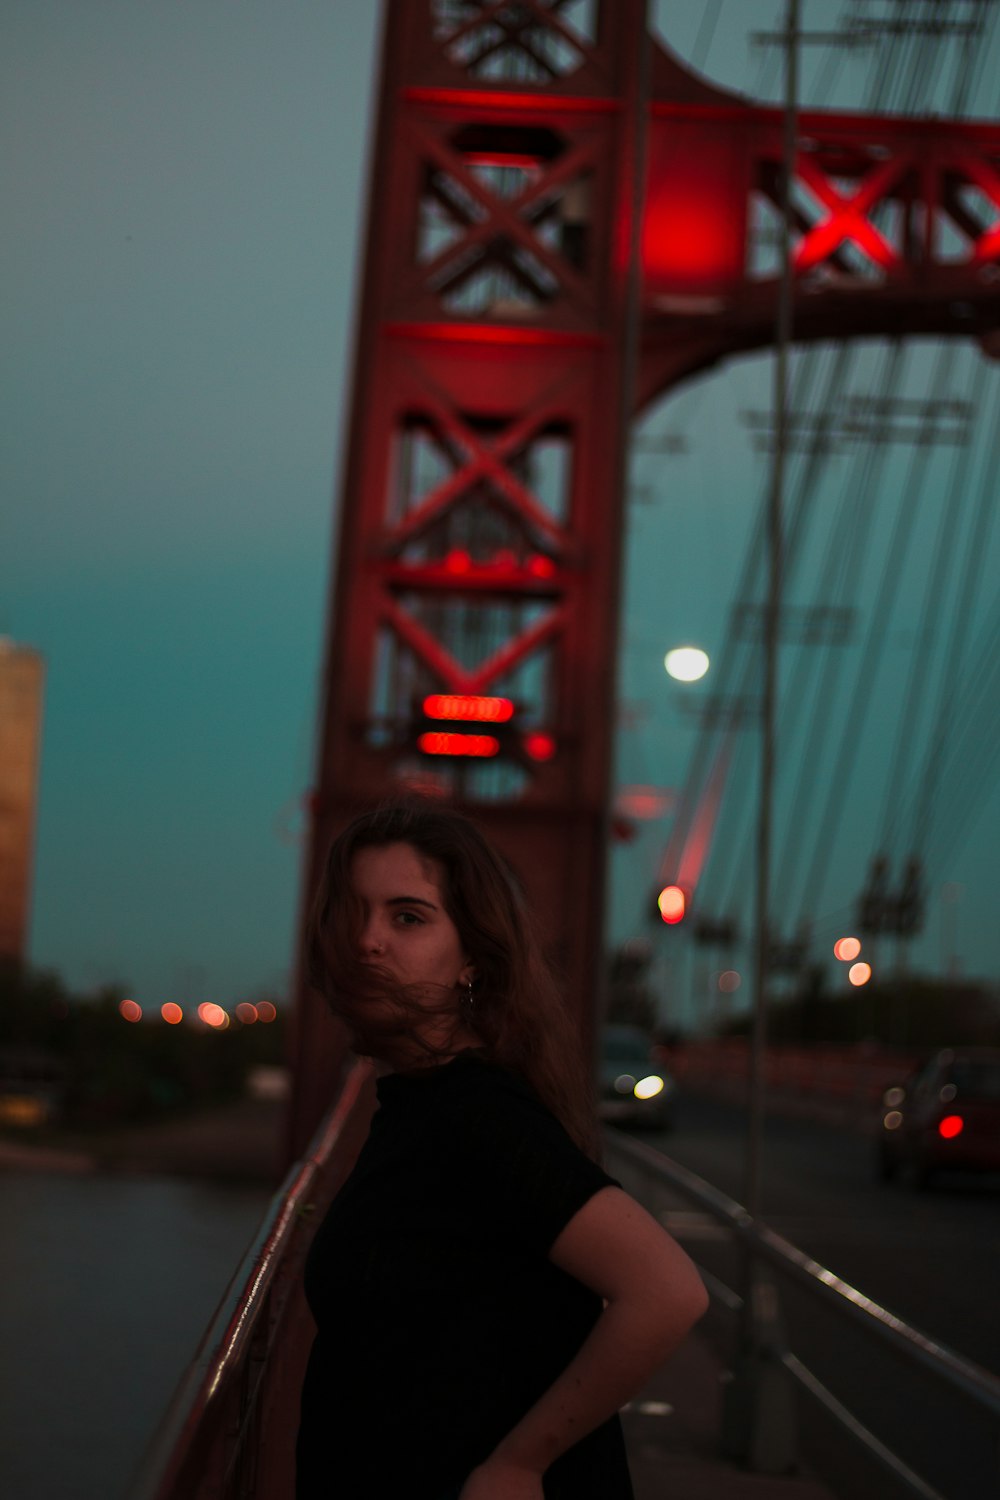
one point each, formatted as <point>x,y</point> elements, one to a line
<point>648,1088</point>
<point>686,663</point>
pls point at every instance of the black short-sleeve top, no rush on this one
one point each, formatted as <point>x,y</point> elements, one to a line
<point>440,1319</point>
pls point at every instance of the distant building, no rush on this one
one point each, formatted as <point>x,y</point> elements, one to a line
<point>22,676</point>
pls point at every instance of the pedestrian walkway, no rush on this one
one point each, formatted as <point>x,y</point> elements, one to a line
<point>672,1434</point>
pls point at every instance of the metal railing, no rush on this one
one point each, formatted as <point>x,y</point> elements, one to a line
<point>763,1338</point>
<point>229,1431</point>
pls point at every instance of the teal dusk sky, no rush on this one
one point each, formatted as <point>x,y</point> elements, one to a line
<point>184,189</point>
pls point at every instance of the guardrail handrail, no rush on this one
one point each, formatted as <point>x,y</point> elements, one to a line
<point>226,1341</point>
<point>953,1368</point>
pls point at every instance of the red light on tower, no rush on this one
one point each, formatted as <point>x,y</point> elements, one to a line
<point>475,746</point>
<point>539,746</point>
<point>465,725</point>
<point>465,708</point>
<point>672,903</point>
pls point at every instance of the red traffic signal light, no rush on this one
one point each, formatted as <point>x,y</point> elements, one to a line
<point>672,904</point>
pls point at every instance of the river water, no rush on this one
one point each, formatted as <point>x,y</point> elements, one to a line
<point>107,1284</point>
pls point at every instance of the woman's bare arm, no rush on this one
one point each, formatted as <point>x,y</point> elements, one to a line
<point>654,1296</point>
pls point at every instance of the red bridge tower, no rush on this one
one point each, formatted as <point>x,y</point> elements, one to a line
<point>560,228</point>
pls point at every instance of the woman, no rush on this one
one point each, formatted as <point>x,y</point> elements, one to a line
<point>486,1296</point>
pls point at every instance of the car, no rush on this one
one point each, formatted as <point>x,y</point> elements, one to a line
<point>946,1115</point>
<point>633,1088</point>
<point>32,1086</point>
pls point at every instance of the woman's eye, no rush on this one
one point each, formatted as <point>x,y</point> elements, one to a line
<point>409,919</point>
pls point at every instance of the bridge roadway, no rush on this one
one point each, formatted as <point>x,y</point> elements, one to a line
<point>672,1435</point>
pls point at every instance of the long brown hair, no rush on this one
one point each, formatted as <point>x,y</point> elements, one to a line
<point>517,1009</point>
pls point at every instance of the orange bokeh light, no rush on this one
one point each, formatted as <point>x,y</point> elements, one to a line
<point>212,1014</point>
<point>265,1011</point>
<point>129,1011</point>
<point>246,1012</point>
<point>643,802</point>
<point>859,974</point>
<point>846,949</point>
<point>171,1013</point>
<point>729,981</point>
<point>672,903</point>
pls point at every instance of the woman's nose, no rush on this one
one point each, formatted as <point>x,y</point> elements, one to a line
<point>371,942</point>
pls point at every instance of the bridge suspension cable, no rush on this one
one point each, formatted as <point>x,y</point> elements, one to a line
<point>908,68</point>
<point>975,752</point>
<point>948,704</point>
<point>935,595</point>
<point>830,824</point>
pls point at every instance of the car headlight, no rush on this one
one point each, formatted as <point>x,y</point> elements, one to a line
<point>648,1088</point>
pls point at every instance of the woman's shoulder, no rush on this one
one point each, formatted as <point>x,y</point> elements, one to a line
<point>475,1101</point>
<point>476,1074</point>
<point>508,1143</point>
<point>489,1098</point>
<point>473,1081</point>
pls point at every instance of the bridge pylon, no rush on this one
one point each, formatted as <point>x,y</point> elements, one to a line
<point>562,224</point>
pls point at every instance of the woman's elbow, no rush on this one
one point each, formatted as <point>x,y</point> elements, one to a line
<point>699,1301</point>
<point>686,1302</point>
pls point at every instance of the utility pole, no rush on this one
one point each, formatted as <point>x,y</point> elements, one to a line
<point>758,1419</point>
<point>772,628</point>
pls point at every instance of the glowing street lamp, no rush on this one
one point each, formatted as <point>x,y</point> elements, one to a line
<point>686,663</point>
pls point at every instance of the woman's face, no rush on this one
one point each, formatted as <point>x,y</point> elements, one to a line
<point>406,929</point>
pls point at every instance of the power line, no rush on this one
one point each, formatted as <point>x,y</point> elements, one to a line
<point>975,555</point>
<point>867,672</point>
<point>706,34</point>
<point>945,551</point>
